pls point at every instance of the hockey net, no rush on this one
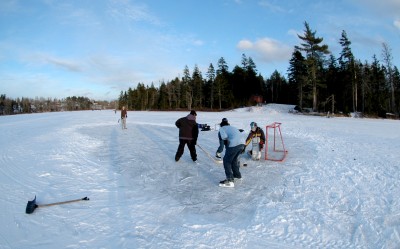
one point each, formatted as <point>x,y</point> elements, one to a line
<point>274,145</point>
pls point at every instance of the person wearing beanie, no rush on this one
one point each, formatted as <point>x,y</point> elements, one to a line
<point>188,133</point>
<point>234,145</point>
<point>221,142</point>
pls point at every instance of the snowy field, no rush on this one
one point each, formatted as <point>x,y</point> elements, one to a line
<point>339,186</point>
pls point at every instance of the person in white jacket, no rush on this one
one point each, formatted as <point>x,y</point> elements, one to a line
<point>234,145</point>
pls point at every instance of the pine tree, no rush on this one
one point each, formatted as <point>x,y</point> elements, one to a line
<point>221,83</point>
<point>348,70</point>
<point>314,54</point>
<point>210,83</point>
<point>197,87</point>
<point>297,74</point>
<point>187,89</point>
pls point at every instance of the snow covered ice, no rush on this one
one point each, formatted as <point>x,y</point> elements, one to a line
<point>339,186</point>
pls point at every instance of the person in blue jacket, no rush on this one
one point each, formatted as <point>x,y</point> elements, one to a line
<point>234,144</point>
<point>221,142</point>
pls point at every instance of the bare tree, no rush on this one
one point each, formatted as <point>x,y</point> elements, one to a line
<point>388,58</point>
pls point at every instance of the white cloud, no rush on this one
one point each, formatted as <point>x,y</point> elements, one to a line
<point>42,59</point>
<point>384,7</point>
<point>198,42</point>
<point>65,64</point>
<point>267,49</point>
<point>245,45</point>
<point>396,23</point>
<point>273,7</point>
<point>135,12</point>
<point>9,6</point>
<point>294,33</point>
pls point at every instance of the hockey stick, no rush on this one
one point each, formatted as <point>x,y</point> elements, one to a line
<point>31,206</point>
<point>208,154</point>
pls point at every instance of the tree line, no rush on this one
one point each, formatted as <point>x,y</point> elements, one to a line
<point>10,106</point>
<point>316,80</point>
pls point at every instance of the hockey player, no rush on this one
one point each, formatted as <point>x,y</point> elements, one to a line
<point>257,138</point>
<point>234,145</point>
<point>188,133</point>
<point>221,142</point>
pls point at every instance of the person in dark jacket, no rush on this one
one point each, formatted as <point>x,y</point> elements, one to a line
<point>124,115</point>
<point>256,133</point>
<point>188,133</point>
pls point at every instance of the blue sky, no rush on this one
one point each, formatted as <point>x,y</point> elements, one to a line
<point>96,49</point>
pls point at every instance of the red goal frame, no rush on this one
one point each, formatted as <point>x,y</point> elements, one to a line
<point>277,132</point>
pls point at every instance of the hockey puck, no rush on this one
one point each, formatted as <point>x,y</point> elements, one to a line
<point>245,164</point>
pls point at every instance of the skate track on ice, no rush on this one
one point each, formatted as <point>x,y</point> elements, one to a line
<point>337,188</point>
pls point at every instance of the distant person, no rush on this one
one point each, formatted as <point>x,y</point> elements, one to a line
<point>188,134</point>
<point>221,142</point>
<point>124,115</point>
<point>257,138</point>
<point>234,145</point>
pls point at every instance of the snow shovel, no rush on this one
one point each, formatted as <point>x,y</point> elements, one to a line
<point>31,206</point>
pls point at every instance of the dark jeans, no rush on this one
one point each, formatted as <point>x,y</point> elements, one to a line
<point>192,148</point>
<point>231,163</point>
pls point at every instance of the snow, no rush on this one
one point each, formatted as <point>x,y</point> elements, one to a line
<point>337,188</point>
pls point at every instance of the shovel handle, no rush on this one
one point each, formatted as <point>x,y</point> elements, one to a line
<point>63,202</point>
<point>208,154</point>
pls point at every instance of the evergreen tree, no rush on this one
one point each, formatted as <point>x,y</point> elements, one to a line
<point>314,57</point>
<point>197,86</point>
<point>187,89</point>
<point>396,84</point>
<point>152,97</point>
<point>122,100</point>
<point>375,102</point>
<point>163,97</point>
<point>210,85</point>
<point>332,86</point>
<point>297,75</point>
<point>238,84</point>
<point>276,86</point>
<point>223,92</point>
<point>348,72</point>
<point>176,91</point>
<point>133,100</point>
<point>252,80</point>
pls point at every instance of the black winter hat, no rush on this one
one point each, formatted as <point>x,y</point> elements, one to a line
<point>224,122</point>
<point>193,113</point>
